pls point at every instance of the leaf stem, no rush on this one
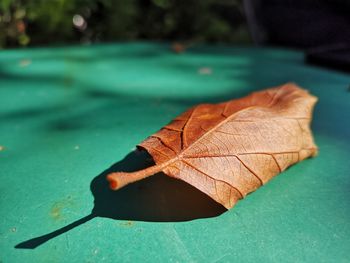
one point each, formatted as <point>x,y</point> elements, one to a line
<point>118,180</point>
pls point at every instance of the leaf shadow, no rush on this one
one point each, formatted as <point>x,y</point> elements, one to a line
<point>156,199</point>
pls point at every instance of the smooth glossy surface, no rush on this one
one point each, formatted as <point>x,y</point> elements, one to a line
<point>68,114</point>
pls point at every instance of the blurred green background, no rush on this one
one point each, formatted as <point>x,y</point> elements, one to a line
<point>54,22</point>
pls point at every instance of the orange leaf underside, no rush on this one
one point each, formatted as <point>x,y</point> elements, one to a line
<point>230,149</point>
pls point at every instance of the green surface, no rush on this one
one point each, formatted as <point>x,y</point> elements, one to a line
<point>68,114</point>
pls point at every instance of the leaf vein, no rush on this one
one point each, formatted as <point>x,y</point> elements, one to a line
<point>163,143</point>
<point>204,173</point>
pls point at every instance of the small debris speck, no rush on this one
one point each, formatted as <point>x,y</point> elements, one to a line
<point>76,147</point>
<point>178,47</point>
<point>13,229</point>
<point>205,71</point>
<point>25,62</point>
<point>2,148</point>
<point>127,224</point>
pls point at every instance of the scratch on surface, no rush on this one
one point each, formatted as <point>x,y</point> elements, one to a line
<point>223,256</point>
<point>181,247</point>
<point>67,240</point>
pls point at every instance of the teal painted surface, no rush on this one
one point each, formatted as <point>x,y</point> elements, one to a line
<point>68,114</point>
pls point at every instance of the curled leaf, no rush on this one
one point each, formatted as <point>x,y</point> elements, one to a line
<point>230,149</point>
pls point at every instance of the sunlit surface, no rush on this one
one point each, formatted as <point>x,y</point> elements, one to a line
<point>68,114</point>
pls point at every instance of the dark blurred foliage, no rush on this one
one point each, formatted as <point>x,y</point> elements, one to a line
<point>42,22</point>
<point>299,23</point>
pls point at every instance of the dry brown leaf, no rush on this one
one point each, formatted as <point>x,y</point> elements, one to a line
<point>230,149</point>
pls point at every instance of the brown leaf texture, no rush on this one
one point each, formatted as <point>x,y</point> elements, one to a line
<point>230,149</point>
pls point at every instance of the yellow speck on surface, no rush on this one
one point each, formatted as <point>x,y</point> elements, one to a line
<point>2,148</point>
<point>56,211</point>
<point>25,62</point>
<point>59,209</point>
<point>205,71</point>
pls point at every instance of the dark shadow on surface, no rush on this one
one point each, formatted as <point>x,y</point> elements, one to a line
<point>35,242</point>
<point>156,199</point>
